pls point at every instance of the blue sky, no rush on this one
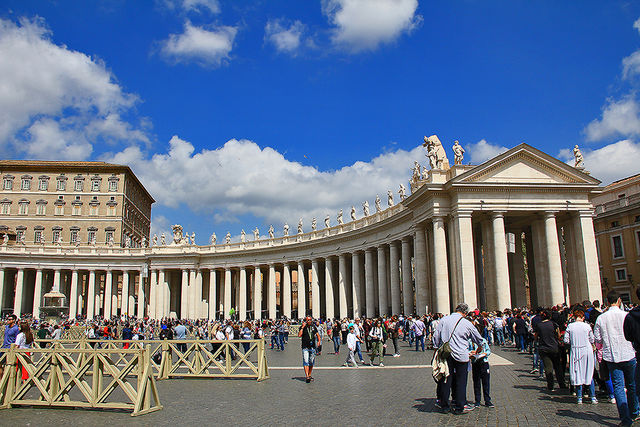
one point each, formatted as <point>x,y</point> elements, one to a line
<point>244,114</point>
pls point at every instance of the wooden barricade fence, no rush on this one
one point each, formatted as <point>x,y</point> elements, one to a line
<point>59,377</point>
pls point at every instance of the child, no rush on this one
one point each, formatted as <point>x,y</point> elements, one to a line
<point>480,371</point>
<point>352,340</point>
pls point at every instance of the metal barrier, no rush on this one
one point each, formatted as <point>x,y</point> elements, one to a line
<point>57,377</point>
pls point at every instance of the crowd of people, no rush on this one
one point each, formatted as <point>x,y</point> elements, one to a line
<point>595,347</point>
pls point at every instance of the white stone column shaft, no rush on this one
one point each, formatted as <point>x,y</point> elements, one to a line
<point>91,295</point>
<point>394,268</point>
<point>160,295</point>
<point>407,280</point>
<point>257,293</point>
<point>272,292</point>
<point>198,295</point>
<point>463,231</point>
<point>315,290</point>
<point>441,303</point>
<point>193,307</point>
<point>342,285</point>
<point>556,284</point>
<point>73,297</point>
<point>227,293</point>
<point>518,274</point>
<point>17,302</point>
<point>383,304</point>
<point>369,283</point>
<point>500,262</point>
<point>420,260</point>
<point>125,293</point>
<point>328,285</point>
<point>37,296</point>
<point>286,290</point>
<point>184,295</point>
<point>2,276</point>
<point>108,291</point>
<point>213,293</point>
<point>302,294</point>
<point>153,294</point>
<point>587,256</point>
<point>356,284</point>
<point>242,304</point>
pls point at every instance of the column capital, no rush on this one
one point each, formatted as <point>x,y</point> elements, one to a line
<point>437,219</point>
<point>462,213</point>
<point>549,214</point>
<point>585,213</point>
<point>498,214</point>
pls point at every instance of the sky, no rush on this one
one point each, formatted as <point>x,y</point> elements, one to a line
<point>244,114</point>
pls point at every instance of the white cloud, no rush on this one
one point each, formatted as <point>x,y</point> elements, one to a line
<point>620,117</point>
<point>160,224</point>
<point>482,151</point>
<point>49,91</point>
<point>199,45</point>
<point>636,24</point>
<point>241,178</point>
<point>609,163</point>
<point>195,6</point>
<point>366,24</point>
<point>285,39</point>
<point>631,65</point>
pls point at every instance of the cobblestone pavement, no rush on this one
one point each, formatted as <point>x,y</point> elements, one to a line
<point>390,395</point>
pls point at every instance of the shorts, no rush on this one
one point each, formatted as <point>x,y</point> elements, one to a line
<point>308,356</point>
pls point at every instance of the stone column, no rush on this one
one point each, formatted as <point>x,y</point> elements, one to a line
<point>37,296</point>
<point>500,262</point>
<point>556,284</point>
<point>368,282</point>
<point>420,260</point>
<point>342,285</point>
<point>257,293</point>
<point>160,295</point>
<point>394,267</point>
<point>193,309</point>
<point>2,274</point>
<point>272,292</point>
<point>302,295</point>
<point>242,304</point>
<point>198,295</point>
<point>286,291</point>
<point>356,284</point>
<point>315,290</point>
<point>587,256</point>
<point>441,302</point>
<point>463,231</point>
<point>328,284</point>
<point>17,302</point>
<point>91,295</point>
<point>125,292</point>
<point>520,291</point>
<point>489,277</point>
<point>73,297</point>
<point>184,295</point>
<point>227,293</point>
<point>213,292</point>
<point>383,304</point>
<point>108,291</point>
<point>407,279</point>
<point>153,294</point>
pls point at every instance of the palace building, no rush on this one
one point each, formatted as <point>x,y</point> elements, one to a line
<point>515,230</point>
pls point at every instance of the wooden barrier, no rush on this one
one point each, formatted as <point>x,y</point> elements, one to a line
<point>57,377</point>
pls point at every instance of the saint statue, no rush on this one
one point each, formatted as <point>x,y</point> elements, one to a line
<point>243,236</point>
<point>415,175</point>
<point>578,158</point>
<point>389,198</point>
<point>227,238</point>
<point>327,221</point>
<point>155,240</point>
<point>353,213</point>
<point>193,237</point>
<point>458,153</point>
<point>163,240</point>
<point>111,242</point>
<point>285,230</point>
<point>256,234</point>
<point>402,192</point>
<point>365,208</point>
<point>314,224</point>
<point>271,231</point>
<point>435,152</point>
<point>300,226</point>
<point>378,207</point>
<point>144,242</point>
<point>339,218</point>
<point>213,239</point>
<point>5,239</point>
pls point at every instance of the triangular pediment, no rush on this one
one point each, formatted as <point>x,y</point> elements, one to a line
<point>525,165</point>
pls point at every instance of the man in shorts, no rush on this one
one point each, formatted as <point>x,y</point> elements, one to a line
<point>310,340</point>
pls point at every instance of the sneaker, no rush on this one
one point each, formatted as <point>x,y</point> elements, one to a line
<point>579,402</point>
<point>381,364</point>
<point>344,365</point>
<point>467,408</point>
<point>533,371</point>
<point>437,404</point>
<point>612,400</point>
<point>477,404</point>
<point>490,405</point>
<point>396,355</point>
<point>594,400</point>
<point>307,380</point>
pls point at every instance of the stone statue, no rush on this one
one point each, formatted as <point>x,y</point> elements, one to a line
<point>177,234</point>
<point>579,164</point>
<point>144,242</point>
<point>378,207</point>
<point>300,226</point>
<point>435,152</point>
<point>213,239</point>
<point>256,234</point>
<point>163,240</point>
<point>5,239</point>
<point>271,231</point>
<point>327,221</point>
<point>193,237</point>
<point>127,242</point>
<point>185,239</point>
<point>285,230</point>
<point>155,240</point>
<point>339,218</point>
<point>402,192</point>
<point>365,208</point>
<point>111,241</point>
<point>314,224</point>
<point>458,153</point>
<point>389,198</point>
<point>425,173</point>
<point>59,241</point>
<point>353,213</point>
<point>23,236</point>
<point>243,236</point>
<point>415,175</point>
<point>227,238</point>
<point>93,240</point>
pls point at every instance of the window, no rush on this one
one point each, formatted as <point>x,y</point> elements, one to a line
<point>78,185</point>
<point>111,210</point>
<point>621,274</point>
<point>95,185</point>
<point>113,185</point>
<point>637,218</point>
<point>23,208</point>
<point>19,235</point>
<point>77,210</point>
<point>37,236</point>
<point>93,210</point>
<point>55,235</point>
<point>59,210</point>
<point>26,183</point>
<point>61,184</point>
<point>108,236</point>
<point>617,248</point>
<point>91,236</point>
<point>43,183</point>
<point>615,224</point>
<point>8,183</point>
<point>621,196</point>
<point>5,208</point>
<point>41,209</point>
<point>74,236</point>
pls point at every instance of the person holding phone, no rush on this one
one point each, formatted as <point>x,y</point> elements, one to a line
<point>310,341</point>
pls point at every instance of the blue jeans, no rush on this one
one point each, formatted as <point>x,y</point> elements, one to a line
<point>499,336</point>
<point>308,356</point>
<point>522,340</point>
<point>281,340</point>
<point>359,351</point>
<point>336,344</point>
<point>623,374</point>
<point>420,340</point>
<point>592,390</point>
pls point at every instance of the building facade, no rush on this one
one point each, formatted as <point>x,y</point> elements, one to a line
<point>518,227</point>
<point>58,202</point>
<point>617,225</point>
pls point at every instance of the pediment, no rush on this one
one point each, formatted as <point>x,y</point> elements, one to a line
<point>525,165</point>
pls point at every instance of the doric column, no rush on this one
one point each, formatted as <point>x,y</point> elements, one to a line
<point>108,291</point>
<point>153,294</point>
<point>91,296</point>
<point>342,285</point>
<point>73,297</point>
<point>315,289</point>
<point>383,304</point>
<point>286,291</point>
<point>356,284</point>
<point>227,293</point>
<point>488,274</point>
<point>160,295</point>
<point>441,302</point>
<point>198,294</point>
<point>556,284</point>
<point>463,232</point>
<point>302,294</point>
<point>242,304</point>
<point>407,282</point>
<point>369,283</point>
<point>541,271</point>
<point>587,256</point>
<point>328,287</point>
<point>213,292</point>
<point>272,292</point>
<point>184,295</point>
<point>2,274</point>
<point>141,297</point>
<point>37,296</point>
<point>17,302</point>
<point>519,290</point>
<point>500,262</point>
<point>420,260</point>
<point>394,268</point>
<point>257,293</point>
<point>125,293</point>
<point>193,308</point>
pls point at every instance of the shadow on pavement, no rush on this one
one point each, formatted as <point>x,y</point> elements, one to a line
<point>426,405</point>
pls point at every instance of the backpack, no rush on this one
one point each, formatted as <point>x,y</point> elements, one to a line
<point>445,349</point>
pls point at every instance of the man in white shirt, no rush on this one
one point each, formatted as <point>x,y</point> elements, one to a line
<point>620,357</point>
<point>357,330</point>
<point>352,341</point>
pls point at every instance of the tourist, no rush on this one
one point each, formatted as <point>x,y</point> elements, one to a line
<point>127,335</point>
<point>336,331</point>
<point>582,362</point>
<point>498,326</point>
<point>246,335</point>
<point>57,333</point>
<point>394,333</point>
<point>11,331</point>
<point>376,335</point>
<point>24,340</point>
<point>547,335</point>
<point>310,341</point>
<point>457,331</point>
<point>351,345</point>
<point>619,355</point>
<point>479,355</point>
<point>419,330</point>
<point>358,331</point>
<point>42,334</point>
<point>520,331</point>
<point>180,333</point>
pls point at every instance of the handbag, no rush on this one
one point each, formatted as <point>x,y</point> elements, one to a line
<point>445,349</point>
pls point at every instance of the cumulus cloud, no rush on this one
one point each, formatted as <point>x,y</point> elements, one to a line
<point>160,224</point>
<point>48,90</point>
<point>482,151</point>
<point>621,117</point>
<point>609,163</point>
<point>202,46</point>
<point>366,24</point>
<point>242,178</point>
<point>631,65</point>
<point>285,38</point>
